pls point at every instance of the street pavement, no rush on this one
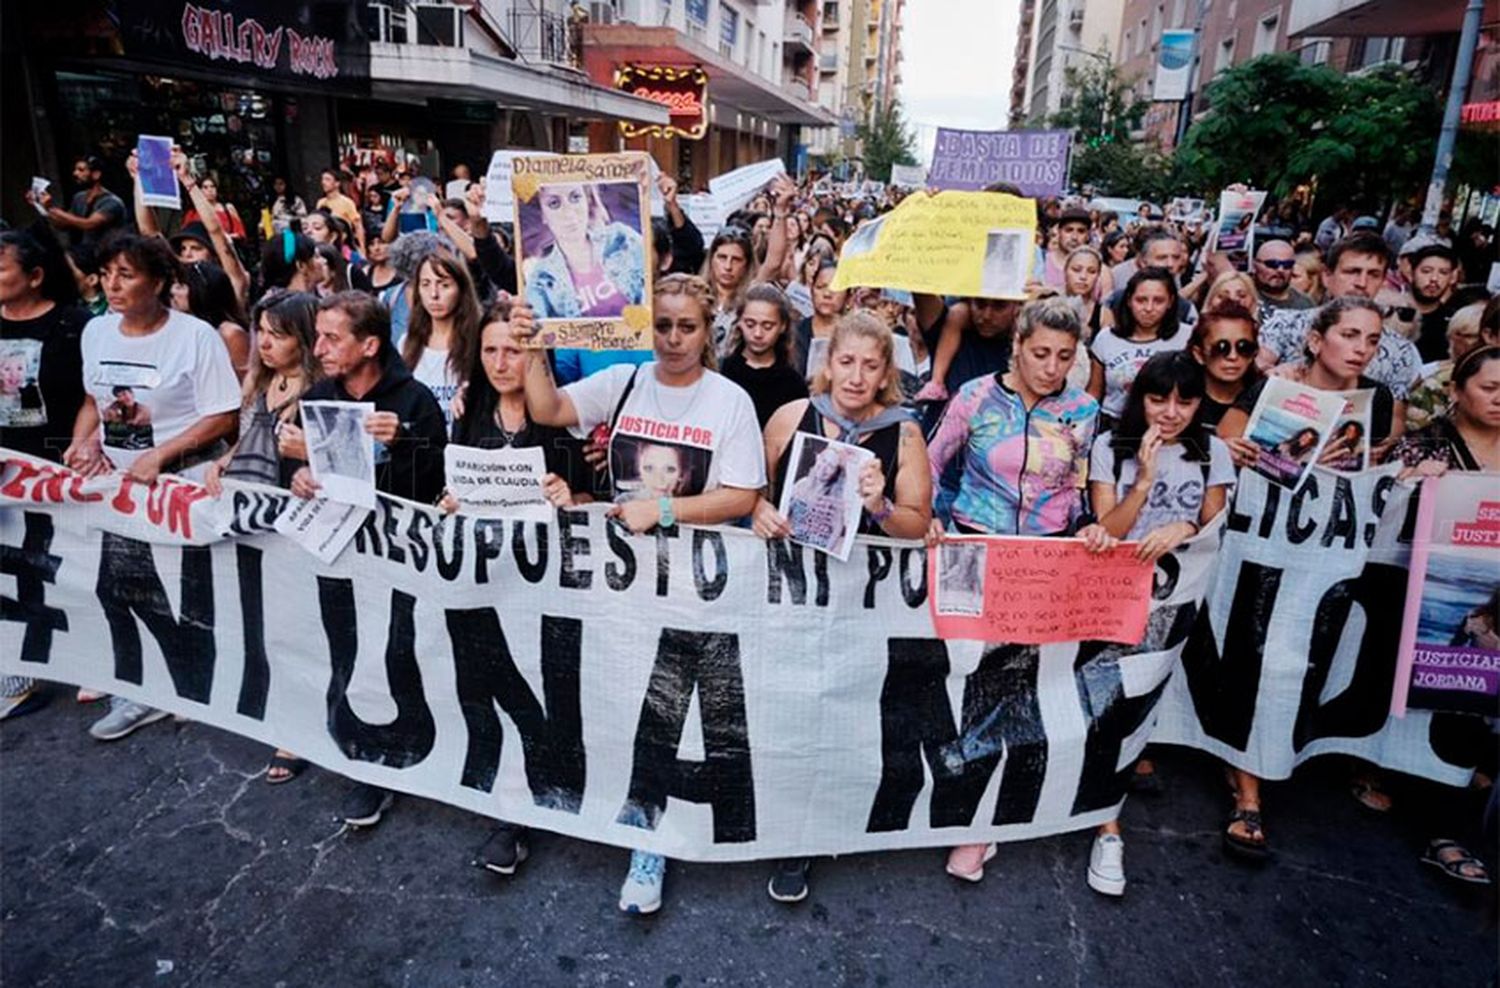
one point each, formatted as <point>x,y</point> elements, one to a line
<point>165,860</point>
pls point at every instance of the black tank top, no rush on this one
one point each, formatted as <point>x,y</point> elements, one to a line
<point>884,443</point>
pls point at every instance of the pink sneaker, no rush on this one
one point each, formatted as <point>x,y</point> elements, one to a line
<point>967,861</point>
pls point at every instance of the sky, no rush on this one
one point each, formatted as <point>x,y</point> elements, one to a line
<point>957,65</point>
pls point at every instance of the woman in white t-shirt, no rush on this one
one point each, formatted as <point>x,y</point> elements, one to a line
<point>443,328</point>
<point>160,395</point>
<point>1155,479</point>
<point>1142,324</point>
<point>675,404</point>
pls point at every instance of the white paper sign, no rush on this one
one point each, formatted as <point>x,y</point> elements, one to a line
<point>456,189</point>
<point>733,189</point>
<point>703,210</point>
<point>499,199</point>
<point>909,176</point>
<point>506,480</point>
<point>321,526</point>
<point>340,451</point>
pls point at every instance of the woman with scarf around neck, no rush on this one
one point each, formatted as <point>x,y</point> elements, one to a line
<point>856,398</point>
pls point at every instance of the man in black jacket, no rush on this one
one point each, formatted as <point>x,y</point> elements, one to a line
<point>354,346</point>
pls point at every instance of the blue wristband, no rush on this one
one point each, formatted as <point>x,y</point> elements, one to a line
<point>664,508</point>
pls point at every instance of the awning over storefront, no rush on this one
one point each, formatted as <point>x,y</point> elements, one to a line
<point>731,85</point>
<point>1381,18</point>
<point>419,73</point>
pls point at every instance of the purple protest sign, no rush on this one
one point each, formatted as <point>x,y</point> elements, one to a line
<point>1034,160</point>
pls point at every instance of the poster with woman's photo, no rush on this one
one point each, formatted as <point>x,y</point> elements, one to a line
<point>1289,426</point>
<point>583,230</point>
<point>1450,638</point>
<point>820,499</point>
<point>21,404</point>
<point>645,469</point>
<point>1007,261</point>
<point>1234,232</point>
<point>339,450</point>
<point>1348,448</point>
<point>960,577</point>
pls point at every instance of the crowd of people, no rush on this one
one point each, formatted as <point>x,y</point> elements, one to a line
<point>1110,406</point>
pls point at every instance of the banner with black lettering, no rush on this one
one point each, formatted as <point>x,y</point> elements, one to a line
<point>698,692</point>
<point>1296,653</point>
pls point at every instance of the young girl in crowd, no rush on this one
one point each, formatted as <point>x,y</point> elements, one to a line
<point>1022,439</point>
<point>228,216</point>
<point>760,352</point>
<point>283,369</point>
<point>332,270</point>
<point>1156,480</point>
<point>1224,342</point>
<point>856,399</point>
<point>1342,340</point>
<point>681,391</point>
<point>205,291</point>
<point>1081,271</point>
<point>799,291</point>
<point>288,262</point>
<point>828,305</point>
<point>733,263</point>
<point>443,328</point>
<point>1143,324</point>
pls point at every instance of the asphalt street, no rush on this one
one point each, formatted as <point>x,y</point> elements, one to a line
<point>165,860</point>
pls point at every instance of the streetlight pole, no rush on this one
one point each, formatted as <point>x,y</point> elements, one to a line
<point>1463,67</point>
<point>1185,115</point>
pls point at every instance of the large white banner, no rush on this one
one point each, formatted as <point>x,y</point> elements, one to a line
<point>697,692</point>
<point>1297,655</point>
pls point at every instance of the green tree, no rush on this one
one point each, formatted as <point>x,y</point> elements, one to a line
<point>1099,104</point>
<point>886,142</point>
<point>1274,123</point>
<point>1117,168</point>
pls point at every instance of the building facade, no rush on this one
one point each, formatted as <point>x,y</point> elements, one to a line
<point>1062,34</point>
<point>860,68</point>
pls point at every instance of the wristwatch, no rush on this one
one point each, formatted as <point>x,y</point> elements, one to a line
<point>664,508</point>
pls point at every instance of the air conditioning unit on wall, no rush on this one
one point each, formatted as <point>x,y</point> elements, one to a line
<point>440,24</point>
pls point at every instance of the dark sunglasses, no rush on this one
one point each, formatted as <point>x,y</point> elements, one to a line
<point>1404,313</point>
<point>1245,348</point>
<point>1279,265</point>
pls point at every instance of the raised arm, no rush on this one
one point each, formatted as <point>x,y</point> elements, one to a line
<point>145,218</point>
<point>223,249</point>
<point>783,190</point>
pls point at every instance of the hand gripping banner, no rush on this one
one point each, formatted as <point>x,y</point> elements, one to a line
<point>697,692</point>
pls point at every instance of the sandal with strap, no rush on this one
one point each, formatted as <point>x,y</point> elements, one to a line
<point>1454,866</point>
<point>1369,794</point>
<point>1248,848</point>
<point>290,767</point>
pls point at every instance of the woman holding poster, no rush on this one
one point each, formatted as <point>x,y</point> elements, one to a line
<point>679,403</point>
<point>1467,439</point>
<point>856,398</point>
<point>1022,439</point>
<point>588,265</point>
<point>1341,342</point>
<point>1156,480</point>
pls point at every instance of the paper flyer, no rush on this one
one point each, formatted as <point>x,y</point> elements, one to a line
<point>339,450</point>
<point>158,179</point>
<point>1234,231</point>
<point>497,481</point>
<point>1289,427</point>
<point>583,236</point>
<point>821,496</point>
<point>1349,444</point>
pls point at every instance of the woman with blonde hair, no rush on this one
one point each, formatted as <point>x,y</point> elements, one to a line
<point>856,398</point>
<point>1233,286</point>
<point>720,463</point>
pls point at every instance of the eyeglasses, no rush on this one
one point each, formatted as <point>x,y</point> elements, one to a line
<point>1403,313</point>
<point>1245,348</point>
<point>1279,265</point>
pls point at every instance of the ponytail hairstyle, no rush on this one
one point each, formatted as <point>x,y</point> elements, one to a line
<point>281,256</point>
<point>1330,312</point>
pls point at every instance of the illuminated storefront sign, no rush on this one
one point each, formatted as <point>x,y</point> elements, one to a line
<point>683,91</point>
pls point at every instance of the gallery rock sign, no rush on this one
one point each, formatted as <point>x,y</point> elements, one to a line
<point>683,91</point>
<point>217,34</point>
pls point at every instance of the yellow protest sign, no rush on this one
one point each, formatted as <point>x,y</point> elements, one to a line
<point>952,243</point>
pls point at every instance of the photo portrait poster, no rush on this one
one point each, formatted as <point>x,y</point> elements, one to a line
<point>158,180</point>
<point>820,499</point>
<point>339,450</point>
<point>1289,427</point>
<point>583,233</point>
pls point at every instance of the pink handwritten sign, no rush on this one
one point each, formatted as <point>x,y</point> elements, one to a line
<point>1034,591</point>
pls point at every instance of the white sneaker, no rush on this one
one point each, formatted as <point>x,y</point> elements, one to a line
<point>1107,865</point>
<point>124,717</point>
<point>641,892</point>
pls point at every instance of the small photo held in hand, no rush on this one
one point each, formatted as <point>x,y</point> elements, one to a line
<point>20,396</point>
<point>339,450</point>
<point>960,569</point>
<point>1007,259</point>
<point>821,497</point>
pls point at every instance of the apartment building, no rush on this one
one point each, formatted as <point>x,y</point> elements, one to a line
<point>1062,34</point>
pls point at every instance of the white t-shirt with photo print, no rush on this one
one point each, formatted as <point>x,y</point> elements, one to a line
<point>151,389</point>
<point>1178,489</point>
<point>672,441</point>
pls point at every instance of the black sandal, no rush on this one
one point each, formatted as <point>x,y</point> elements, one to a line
<point>293,767</point>
<point>1246,847</point>
<point>1454,867</point>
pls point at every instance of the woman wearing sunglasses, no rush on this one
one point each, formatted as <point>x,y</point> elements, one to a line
<point>1223,341</point>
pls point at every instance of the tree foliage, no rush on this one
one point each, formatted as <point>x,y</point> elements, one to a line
<point>1099,104</point>
<point>1118,168</point>
<point>886,141</point>
<point>1275,123</point>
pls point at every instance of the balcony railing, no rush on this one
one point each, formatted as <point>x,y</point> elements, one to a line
<point>798,32</point>
<point>544,36</point>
